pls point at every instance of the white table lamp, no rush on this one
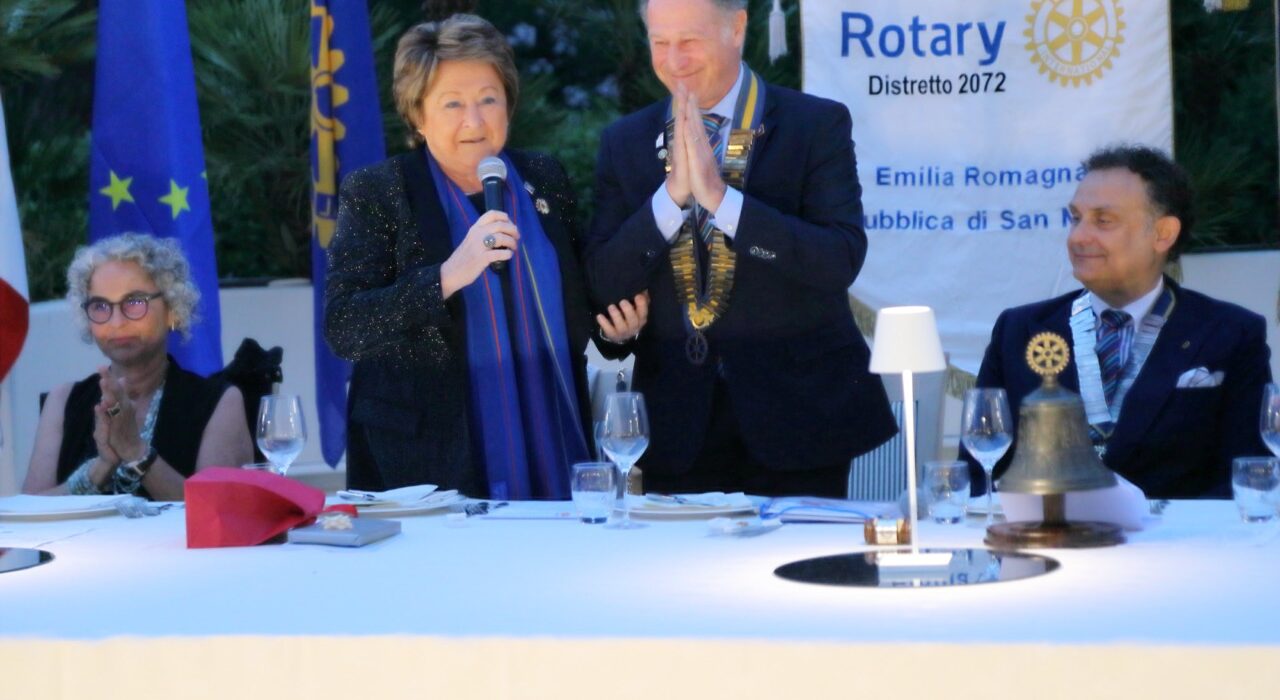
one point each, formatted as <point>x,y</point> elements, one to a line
<point>906,342</point>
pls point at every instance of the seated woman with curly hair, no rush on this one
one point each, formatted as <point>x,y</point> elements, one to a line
<point>141,424</point>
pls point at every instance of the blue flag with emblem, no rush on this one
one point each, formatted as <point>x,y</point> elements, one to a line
<point>146,172</point>
<point>346,134</point>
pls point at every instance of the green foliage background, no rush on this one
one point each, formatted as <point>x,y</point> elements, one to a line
<point>583,63</point>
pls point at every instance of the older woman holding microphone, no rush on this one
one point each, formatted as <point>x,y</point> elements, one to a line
<point>467,322</point>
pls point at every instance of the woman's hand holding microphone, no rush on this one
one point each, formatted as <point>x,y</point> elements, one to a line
<point>493,238</point>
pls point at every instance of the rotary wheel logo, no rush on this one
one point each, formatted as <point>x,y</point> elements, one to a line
<point>1047,354</point>
<point>326,129</point>
<point>1074,40</point>
<point>324,63</point>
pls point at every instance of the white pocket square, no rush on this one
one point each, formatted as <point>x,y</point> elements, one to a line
<point>1200,378</point>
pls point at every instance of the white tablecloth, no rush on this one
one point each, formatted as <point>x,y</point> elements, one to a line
<point>534,608</point>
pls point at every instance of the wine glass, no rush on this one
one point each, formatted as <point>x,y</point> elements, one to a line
<point>282,431</point>
<point>986,431</point>
<point>1270,422</point>
<point>624,437</point>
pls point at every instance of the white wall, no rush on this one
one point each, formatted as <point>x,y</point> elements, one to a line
<point>281,315</point>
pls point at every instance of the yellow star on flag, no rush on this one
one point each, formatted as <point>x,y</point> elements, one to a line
<point>118,190</point>
<point>176,199</point>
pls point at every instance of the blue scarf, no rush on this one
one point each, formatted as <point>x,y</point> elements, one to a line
<point>524,409</point>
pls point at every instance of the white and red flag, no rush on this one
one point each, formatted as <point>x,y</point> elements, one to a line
<point>13,266</point>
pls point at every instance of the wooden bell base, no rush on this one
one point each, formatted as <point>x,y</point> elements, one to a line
<point>1053,535</point>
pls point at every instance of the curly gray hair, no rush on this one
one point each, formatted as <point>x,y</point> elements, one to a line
<point>160,258</point>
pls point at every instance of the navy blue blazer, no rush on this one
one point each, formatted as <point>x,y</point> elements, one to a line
<point>794,364</point>
<point>1171,442</point>
<point>408,418</point>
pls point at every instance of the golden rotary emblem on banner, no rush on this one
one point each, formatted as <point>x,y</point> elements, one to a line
<point>326,128</point>
<point>1074,40</point>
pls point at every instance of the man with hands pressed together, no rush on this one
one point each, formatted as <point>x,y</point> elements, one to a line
<point>736,204</point>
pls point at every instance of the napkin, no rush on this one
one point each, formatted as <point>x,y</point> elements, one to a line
<point>404,495</point>
<point>1123,504</point>
<point>239,507</point>
<point>808,509</point>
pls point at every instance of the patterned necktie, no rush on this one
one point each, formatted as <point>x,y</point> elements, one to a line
<point>713,123</point>
<point>1110,344</point>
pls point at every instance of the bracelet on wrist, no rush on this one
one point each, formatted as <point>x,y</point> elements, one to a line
<point>79,483</point>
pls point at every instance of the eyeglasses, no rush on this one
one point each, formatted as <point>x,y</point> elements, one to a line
<point>134,307</point>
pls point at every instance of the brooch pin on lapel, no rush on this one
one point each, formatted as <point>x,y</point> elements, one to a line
<point>538,203</point>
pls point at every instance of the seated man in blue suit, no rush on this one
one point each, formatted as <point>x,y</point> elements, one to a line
<point>1171,379</point>
<point>737,205</point>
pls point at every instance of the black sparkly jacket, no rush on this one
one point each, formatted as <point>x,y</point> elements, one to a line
<point>408,406</point>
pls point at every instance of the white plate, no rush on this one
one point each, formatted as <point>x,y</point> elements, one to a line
<point>393,497</point>
<point>656,510</point>
<point>396,510</point>
<point>72,513</point>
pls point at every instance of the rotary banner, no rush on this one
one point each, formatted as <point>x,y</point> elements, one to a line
<point>970,121</point>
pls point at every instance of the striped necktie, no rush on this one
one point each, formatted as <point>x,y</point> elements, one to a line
<point>1109,348</point>
<point>713,123</point>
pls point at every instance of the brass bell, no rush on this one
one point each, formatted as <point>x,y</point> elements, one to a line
<point>1054,453</point>
<point>1054,456</point>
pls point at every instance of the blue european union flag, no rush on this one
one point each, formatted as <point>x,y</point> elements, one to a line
<point>146,172</point>
<point>346,134</point>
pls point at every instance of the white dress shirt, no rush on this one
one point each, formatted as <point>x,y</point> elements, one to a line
<point>668,215</point>
<point>1137,310</point>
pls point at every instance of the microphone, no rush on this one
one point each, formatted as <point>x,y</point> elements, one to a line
<point>492,172</point>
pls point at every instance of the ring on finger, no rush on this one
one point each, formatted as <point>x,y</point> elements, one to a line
<point>490,241</point>
<point>113,411</point>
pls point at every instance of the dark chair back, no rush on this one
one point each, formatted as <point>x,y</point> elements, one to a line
<point>253,371</point>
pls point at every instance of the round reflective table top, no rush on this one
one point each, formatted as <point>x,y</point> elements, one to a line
<point>17,558</point>
<point>900,568</point>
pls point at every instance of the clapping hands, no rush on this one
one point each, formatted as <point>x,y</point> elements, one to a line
<point>623,320</point>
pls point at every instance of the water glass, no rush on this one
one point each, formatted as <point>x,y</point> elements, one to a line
<point>1271,418</point>
<point>986,431</point>
<point>1255,483</point>
<point>625,437</point>
<point>594,487</point>
<point>947,485</point>
<point>282,431</point>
